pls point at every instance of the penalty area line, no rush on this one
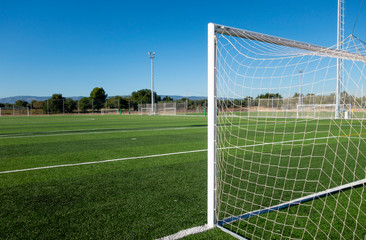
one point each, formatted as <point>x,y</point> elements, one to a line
<point>102,161</point>
<point>186,232</point>
<point>170,154</point>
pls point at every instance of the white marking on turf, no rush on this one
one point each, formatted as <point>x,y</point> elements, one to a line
<point>98,132</point>
<point>102,161</point>
<point>186,232</point>
<point>165,154</point>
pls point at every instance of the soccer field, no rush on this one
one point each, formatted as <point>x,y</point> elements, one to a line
<point>145,177</point>
<point>137,198</point>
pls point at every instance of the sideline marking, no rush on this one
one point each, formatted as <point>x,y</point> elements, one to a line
<point>186,232</point>
<point>103,161</point>
<point>95,132</point>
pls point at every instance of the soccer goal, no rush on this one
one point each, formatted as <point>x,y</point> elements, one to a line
<point>161,108</point>
<point>145,109</point>
<point>109,111</point>
<point>284,159</point>
<point>14,111</point>
<point>325,111</point>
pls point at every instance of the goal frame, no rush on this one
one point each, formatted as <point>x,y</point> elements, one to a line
<point>213,30</point>
<point>13,111</point>
<point>109,109</point>
<point>341,108</point>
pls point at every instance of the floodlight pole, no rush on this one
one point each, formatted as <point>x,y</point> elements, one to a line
<point>340,39</point>
<point>152,55</point>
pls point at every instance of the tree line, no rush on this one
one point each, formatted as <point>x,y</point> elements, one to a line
<point>97,100</point>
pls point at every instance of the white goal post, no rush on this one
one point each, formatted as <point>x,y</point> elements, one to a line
<point>285,158</point>
<point>109,111</point>
<point>161,108</point>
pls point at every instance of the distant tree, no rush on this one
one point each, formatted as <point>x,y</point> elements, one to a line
<point>85,104</point>
<point>167,98</point>
<point>70,105</point>
<point>269,95</point>
<point>2,105</point>
<point>37,104</point>
<point>56,103</point>
<point>21,103</point>
<point>32,103</point>
<point>113,102</point>
<point>117,102</point>
<point>248,101</point>
<point>144,96</point>
<point>238,103</point>
<point>98,97</point>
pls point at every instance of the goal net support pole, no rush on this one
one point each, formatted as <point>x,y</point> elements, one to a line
<point>211,133</point>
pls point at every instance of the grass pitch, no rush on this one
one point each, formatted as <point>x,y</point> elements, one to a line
<point>151,197</point>
<point>134,199</point>
<point>282,159</point>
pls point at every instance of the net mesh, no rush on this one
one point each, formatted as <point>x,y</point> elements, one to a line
<point>283,159</point>
<point>14,111</point>
<point>161,108</point>
<point>109,111</point>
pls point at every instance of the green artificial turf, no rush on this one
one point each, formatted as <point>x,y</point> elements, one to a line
<point>148,198</point>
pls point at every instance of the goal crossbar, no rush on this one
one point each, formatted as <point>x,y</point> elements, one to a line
<point>323,51</point>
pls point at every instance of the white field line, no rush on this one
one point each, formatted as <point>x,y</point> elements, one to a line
<point>102,161</point>
<point>186,232</point>
<point>97,132</point>
<point>162,155</point>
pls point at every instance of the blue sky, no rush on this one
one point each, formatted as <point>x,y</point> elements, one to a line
<point>70,47</point>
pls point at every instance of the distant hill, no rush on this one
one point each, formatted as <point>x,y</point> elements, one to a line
<point>12,100</point>
<point>176,97</point>
<point>29,98</point>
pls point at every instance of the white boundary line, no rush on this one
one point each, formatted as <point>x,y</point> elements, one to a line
<point>164,154</point>
<point>103,161</point>
<point>186,232</point>
<point>98,132</point>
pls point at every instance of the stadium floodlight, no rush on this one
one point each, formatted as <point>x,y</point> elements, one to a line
<point>271,174</point>
<point>340,47</point>
<point>152,56</point>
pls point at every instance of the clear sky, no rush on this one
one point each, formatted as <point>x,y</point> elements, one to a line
<point>70,46</point>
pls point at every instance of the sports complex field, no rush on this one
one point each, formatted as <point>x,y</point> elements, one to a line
<point>136,198</point>
<point>145,177</point>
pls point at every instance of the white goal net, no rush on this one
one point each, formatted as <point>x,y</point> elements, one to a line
<point>161,108</point>
<point>286,137</point>
<point>14,111</point>
<point>325,111</point>
<point>109,111</point>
